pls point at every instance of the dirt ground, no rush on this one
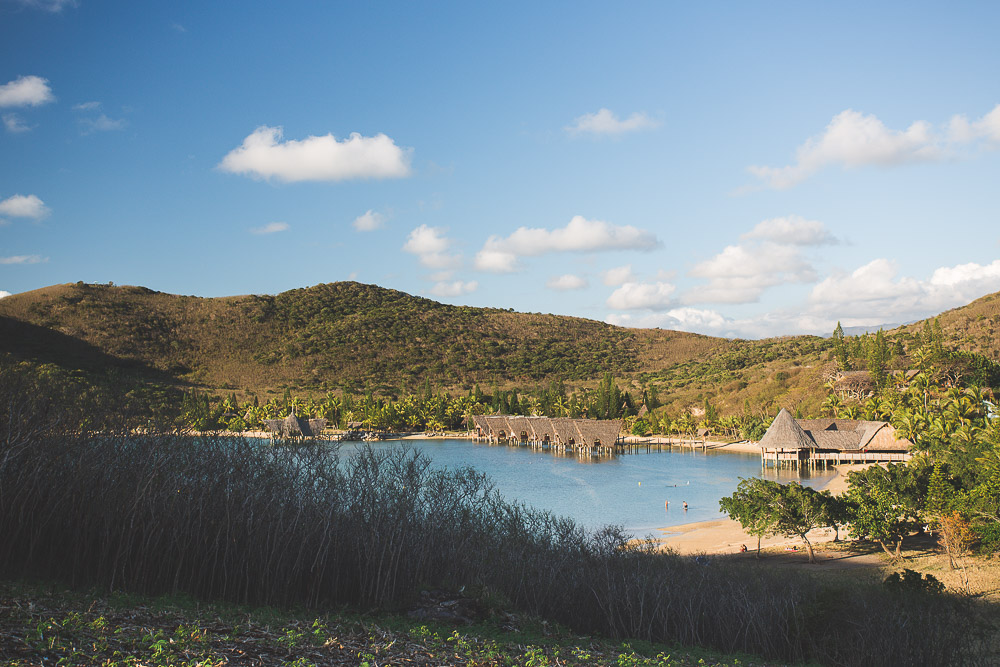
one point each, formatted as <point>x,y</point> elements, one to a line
<point>975,576</point>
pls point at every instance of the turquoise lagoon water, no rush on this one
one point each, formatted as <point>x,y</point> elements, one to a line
<point>628,490</point>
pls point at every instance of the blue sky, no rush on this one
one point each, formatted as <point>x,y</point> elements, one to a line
<point>746,169</point>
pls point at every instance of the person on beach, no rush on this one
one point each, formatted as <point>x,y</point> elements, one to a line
<point>743,548</point>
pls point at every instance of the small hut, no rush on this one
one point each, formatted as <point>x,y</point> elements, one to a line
<point>293,426</point>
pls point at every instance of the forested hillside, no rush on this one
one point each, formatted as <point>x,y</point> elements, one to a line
<point>353,338</point>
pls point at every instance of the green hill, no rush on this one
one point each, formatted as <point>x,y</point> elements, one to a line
<point>349,336</point>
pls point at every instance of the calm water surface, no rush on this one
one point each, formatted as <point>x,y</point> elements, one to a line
<point>628,490</point>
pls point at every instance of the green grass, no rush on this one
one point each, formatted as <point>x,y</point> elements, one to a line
<point>45,624</point>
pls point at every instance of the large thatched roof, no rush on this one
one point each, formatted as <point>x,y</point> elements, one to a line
<point>295,427</point>
<point>785,433</point>
<point>588,432</point>
<point>837,434</point>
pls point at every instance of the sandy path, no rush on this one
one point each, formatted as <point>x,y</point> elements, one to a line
<point>725,536</point>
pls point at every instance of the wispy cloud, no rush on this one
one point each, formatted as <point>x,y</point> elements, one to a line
<point>24,206</point>
<point>271,228</point>
<point>101,123</point>
<point>14,123</point>
<point>369,221</point>
<point>604,123</point>
<point>87,106</point>
<point>456,288</point>
<point>792,230</point>
<point>54,6</point>
<point>264,155</point>
<point>24,259</point>
<point>26,91</point>
<point>853,139</point>
<point>500,255</point>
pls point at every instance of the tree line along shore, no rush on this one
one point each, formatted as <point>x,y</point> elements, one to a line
<point>89,500</point>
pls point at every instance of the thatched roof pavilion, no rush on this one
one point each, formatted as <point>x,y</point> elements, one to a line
<point>563,431</point>
<point>832,439</point>
<point>293,426</point>
<point>786,434</point>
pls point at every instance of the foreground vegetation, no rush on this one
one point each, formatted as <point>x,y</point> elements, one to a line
<point>45,624</point>
<point>223,519</point>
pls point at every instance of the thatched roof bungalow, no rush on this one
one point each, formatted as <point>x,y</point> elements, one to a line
<point>293,426</point>
<point>554,430</point>
<point>838,440</point>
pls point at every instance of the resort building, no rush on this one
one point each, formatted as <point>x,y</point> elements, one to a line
<point>820,442</point>
<point>581,435</point>
<point>294,427</point>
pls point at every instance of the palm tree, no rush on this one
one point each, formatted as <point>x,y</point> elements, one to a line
<point>832,404</point>
<point>908,425</point>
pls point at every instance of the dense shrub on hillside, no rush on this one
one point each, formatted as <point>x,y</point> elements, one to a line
<point>237,520</point>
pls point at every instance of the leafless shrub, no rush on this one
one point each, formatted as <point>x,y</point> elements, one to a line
<point>232,519</point>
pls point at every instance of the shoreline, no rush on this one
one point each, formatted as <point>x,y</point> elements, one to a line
<point>725,536</point>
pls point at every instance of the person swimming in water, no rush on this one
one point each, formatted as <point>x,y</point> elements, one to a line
<point>685,504</point>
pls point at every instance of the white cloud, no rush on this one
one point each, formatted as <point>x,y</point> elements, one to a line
<point>713,323</point>
<point>639,296</point>
<point>792,230</point>
<point>54,6</point>
<point>24,206</point>
<point>566,282</point>
<point>605,122</point>
<point>14,123</point>
<point>271,228</point>
<point>496,261</point>
<point>681,319</point>
<point>4,294</point>
<point>457,288</point>
<point>23,259</point>
<point>369,221</point>
<point>26,91</point>
<point>87,106</point>
<point>968,274</point>
<point>618,276</point>
<point>870,288</point>
<point>500,255</point>
<point>852,140</point>
<point>740,274</point>
<point>264,155</point>
<point>431,247</point>
<point>960,130</point>
<point>875,291</point>
<point>100,124</point>
<point>872,295</point>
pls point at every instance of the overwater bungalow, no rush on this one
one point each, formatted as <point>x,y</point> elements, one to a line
<point>595,436</point>
<point>793,442</point>
<point>293,426</point>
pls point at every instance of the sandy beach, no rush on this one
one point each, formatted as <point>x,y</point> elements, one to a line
<point>726,536</point>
